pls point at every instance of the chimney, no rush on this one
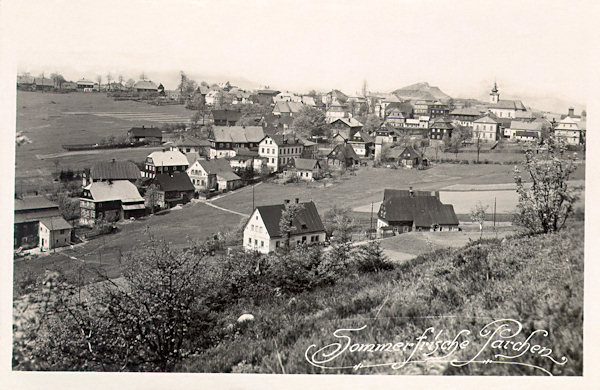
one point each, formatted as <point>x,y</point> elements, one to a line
<point>297,200</point>
<point>571,112</point>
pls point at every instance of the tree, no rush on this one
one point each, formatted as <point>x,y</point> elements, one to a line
<point>108,80</point>
<point>478,215</point>
<point>152,196</point>
<point>130,83</point>
<point>99,81</point>
<point>310,121</point>
<point>338,224</point>
<point>58,79</point>
<point>286,222</point>
<point>370,258</point>
<point>186,86</point>
<point>546,204</point>
<point>372,123</point>
<point>454,143</point>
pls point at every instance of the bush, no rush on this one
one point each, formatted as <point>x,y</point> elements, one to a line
<point>370,258</point>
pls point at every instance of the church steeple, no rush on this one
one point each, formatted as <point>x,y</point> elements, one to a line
<point>495,94</point>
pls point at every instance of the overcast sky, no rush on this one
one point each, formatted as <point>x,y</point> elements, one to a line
<point>535,50</point>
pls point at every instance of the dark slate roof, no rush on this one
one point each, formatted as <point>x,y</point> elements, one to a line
<point>228,115</point>
<point>114,170</point>
<point>423,211</point>
<point>442,124</point>
<point>307,221</point>
<point>343,152</point>
<point>145,132</point>
<point>175,182</point>
<point>305,163</point>
<point>410,152</point>
<point>219,167</point>
<point>508,104</point>
<point>34,203</point>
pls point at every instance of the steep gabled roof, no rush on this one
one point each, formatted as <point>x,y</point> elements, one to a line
<point>423,211</point>
<point>508,105</point>
<point>342,152</point>
<point>228,115</point>
<point>307,221</point>
<point>409,153</point>
<point>305,163</point>
<point>145,84</point>
<point>391,193</point>
<point>219,167</point>
<point>55,223</point>
<point>123,190</point>
<point>114,170</point>
<point>238,134</point>
<point>179,181</point>
<point>350,122</point>
<point>168,158</point>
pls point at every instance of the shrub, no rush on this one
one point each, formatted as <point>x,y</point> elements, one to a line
<point>370,258</point>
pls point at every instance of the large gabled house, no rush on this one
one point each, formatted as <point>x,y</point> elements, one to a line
<point>110,201</point>
<point>523,130</point>
<point>188,144</point>
<point>571,131</point>
<point>279,149</point>
<point>262,232</point>
<point>149,135</point>
<point>287,108</point>
<point>226,117</point>
<point>172,189</point>
<point>486,129</point>
<point>111,170</point>
<point>165,161</point>
<point>439,128</point>
<point>343,156</point>
<point>345,126</point>
<point>225,140</point>
<point>409,211</point>
<point>410,158</point>
<point>361,142</point>
<point>28,213</point>
<point>54,232</point>
<point>304,169</point>
<point>215,174</point>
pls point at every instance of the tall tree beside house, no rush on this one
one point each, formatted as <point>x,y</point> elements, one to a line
<point>286,223</point>
<point>58,79</point>
<point>339,224</point>
<point>152,196</point>
<point>130,83</point>
<point>460,134</point>
<point>186,85</point>
<point>310,121</point>
<point>546,202</point>
<point>371,123</point>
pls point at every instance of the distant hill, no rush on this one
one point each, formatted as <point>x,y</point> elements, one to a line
<point>421,91</point>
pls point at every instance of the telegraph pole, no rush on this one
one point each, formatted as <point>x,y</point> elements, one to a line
<point>252,199</point>
<point>371,227</point>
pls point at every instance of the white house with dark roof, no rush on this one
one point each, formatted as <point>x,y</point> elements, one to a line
<point>225,140</point>
<point>54,232</point>
<point>570,130</point>
<point>111,170</point>
<point>111,201</point>
<point>215,174</point>
<point>262,233</point>
<point>524,130</point>
<point>304,168</point>
<point>279,149</point>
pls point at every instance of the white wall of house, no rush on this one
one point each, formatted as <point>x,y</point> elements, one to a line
<point>50,239</point>
<point>485,131</point>
<point>256,237</point>
<point>270,151</point>
<point>504,112</point>
<point>214,153</point>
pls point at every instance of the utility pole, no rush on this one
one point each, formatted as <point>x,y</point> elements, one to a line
<point>371,227</point>
<point>252,198</point>
<point>495,217</point>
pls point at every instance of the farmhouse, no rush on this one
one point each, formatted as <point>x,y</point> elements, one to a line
<point>226,117</point>
<point>410,158</point>
<point>28,212</point>
<point>213,174</point>
<point>336,110</point>
<point>165,161</point>
<point>265,96</point>
<point>303,168</point>
<point>84,85</point>
<point>225,140</point>
<point>189,144</point>
<point>110,201</point>
<point>54,232</point>
<point>25,82</point>
<point>43,84</point>
<point>343,156</point>
<point>150,135</point>
<point>173,189</point>
<point>287,108</point>
<point>465,116</point>
<point>145,86</point>
<point>279,149</point>
<point>486,129</point>
<point>440,128</point>
<point>361,142</point>
<point>111,170</point>
<point>409,211</point>
<point>246,159</point>
<point>521,130</point>
<point>345,126</point>
<point>262,232</point>
<point>570,130</point>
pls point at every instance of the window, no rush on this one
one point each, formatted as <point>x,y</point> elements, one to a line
<point>316,238</point>
<point>303,239</point>
<point>255,242</point>
<point>249,240</point>
<point>262,150</point>
<point>262,244</point>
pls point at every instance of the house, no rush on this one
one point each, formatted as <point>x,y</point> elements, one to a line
<point>188,144</point>
<point>438,109</point>
<point>287,108</point>
<point>401,212</point>
<point>111,170</point>
<point>173,189</point>
<point>149,135</point>
<point>225,140</point>
<point>571,131</point>
<point>279,149</point>
<point>421,107</point>
<point>84,85</point>
<point>504,108</point>
<point>226,117</point>
<point>145,86</point>
<point>265,96</point>
<point>465,116</point>
<point>262,233</point>
<point>165,161</point>
<point>345,126</point>
<point>441,127</point>
<point>396,116</point>
<point>25,82</point>
<point>310,150</point>
<point>110,201</point>
<point>361,142</point>
<point>54,232</point>
<point>28,212</point>
<point>215,174</point>
<point>525,130</point>
<point>303,168</point>
<point>246,159</point>
<point>68,86</point>
<point>486,129</point>
<point>308,101</point>
<point>336,110</point>
<point>343,156</point>
<point>43,84</point>
<point>410,158</point>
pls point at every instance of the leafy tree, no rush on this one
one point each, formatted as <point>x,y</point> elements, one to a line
<point>58,79</point>
<point>152,196</point>
<point>310,121</point>
<point>478,215</point>
<point>370,258</point>
<point>130,83</point>
<point>286,223</point>
<point>372,123</point>
<point>545,205</point>
<point>460,134</point>
<point>339,224</point>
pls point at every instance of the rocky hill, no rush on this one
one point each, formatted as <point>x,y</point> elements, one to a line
<point>421,91</point>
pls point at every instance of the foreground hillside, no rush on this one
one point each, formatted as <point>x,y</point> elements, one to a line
<point>519,287</point>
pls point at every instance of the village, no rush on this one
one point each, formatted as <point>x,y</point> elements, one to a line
<point>239,138</point>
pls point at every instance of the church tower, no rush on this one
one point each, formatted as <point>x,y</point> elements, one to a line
<point>495,95</point>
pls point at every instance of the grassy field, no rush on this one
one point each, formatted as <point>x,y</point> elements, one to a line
<point>48,119</point>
